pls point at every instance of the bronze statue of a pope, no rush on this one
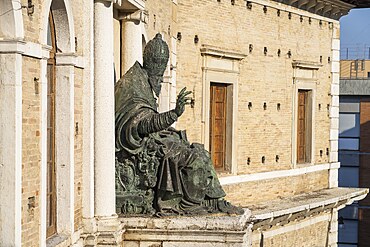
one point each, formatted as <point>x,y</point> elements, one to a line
<point>157,170</point>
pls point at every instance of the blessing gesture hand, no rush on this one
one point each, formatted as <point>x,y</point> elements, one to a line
<point>181,101</point>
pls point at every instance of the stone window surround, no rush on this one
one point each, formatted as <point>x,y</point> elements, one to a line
<point>64,119</point>
<point>304,78</point>
<point>222,66</point>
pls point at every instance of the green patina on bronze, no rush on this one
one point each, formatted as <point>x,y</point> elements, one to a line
<point>157,170</point>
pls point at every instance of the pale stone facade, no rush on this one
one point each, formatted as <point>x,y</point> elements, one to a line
<point>264,51</point>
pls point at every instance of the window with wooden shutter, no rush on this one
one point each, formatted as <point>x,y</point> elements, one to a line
<point>304,127</point>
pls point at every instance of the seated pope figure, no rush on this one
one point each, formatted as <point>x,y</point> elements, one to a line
<point>186,182</point>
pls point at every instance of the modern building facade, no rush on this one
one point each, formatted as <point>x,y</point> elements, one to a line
<point>355,69</point>
<point>353,150</point>
<point>265,103</point>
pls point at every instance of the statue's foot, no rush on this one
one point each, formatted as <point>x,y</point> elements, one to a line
<point>226,207</point>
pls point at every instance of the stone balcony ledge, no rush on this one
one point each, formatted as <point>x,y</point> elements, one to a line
<point>221,230</point>
<point>217,230</point>
<point>192,223</point>
<point>284,210</point>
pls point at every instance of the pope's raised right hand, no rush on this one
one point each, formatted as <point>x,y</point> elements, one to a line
<point>181,101</point>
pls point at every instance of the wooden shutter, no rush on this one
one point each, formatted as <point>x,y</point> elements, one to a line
<point>218,124</point>
<point>302,126</point>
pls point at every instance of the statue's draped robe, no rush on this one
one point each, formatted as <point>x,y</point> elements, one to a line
<point>186,177</point>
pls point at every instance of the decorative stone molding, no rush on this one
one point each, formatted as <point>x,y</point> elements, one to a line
<point>137,16</point>
<point>25,48</point>
<point>103,231</point>
<point>128,5</point>
<point>217,230</point>
<point>305,71</point>
<point>222,53</point>
<point>276,174</point>
<point>70,59</point>
<point>306,65</point>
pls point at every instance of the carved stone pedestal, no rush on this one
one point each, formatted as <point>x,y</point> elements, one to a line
<point>200,231</point>
<point>103,231</point>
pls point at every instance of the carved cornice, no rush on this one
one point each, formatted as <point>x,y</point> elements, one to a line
<point>218,52</point>
<point>306,65</point>
<point>129,5</point>
<point>25,48</point>
<point>332,9</point>
<point>283,211</point>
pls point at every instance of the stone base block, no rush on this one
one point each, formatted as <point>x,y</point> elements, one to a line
<point>103,231</point>
<point>206,231</point>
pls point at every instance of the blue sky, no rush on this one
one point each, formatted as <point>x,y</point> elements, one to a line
<point>355,34</point>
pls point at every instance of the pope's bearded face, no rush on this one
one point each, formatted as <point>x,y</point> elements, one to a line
<point>155,66</point>
<point>156,83</point>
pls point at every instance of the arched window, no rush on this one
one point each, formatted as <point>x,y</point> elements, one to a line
<point>51,176</point>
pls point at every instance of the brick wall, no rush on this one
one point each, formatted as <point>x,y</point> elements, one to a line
<point>31,152</point>
<point>163,19</point>
<point>315,234</point>
<point>78,176</point>
<point>247,194</point>
<point>160,18</point>
<point>33,23</point>
<point>263,78</point>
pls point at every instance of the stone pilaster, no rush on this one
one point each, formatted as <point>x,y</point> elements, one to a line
<point>334,108</point>
<point>11,148</point>
<point>64,136</point>
<point>333,229</point>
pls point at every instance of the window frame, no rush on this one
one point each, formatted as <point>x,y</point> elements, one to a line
<point>310,86</point>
